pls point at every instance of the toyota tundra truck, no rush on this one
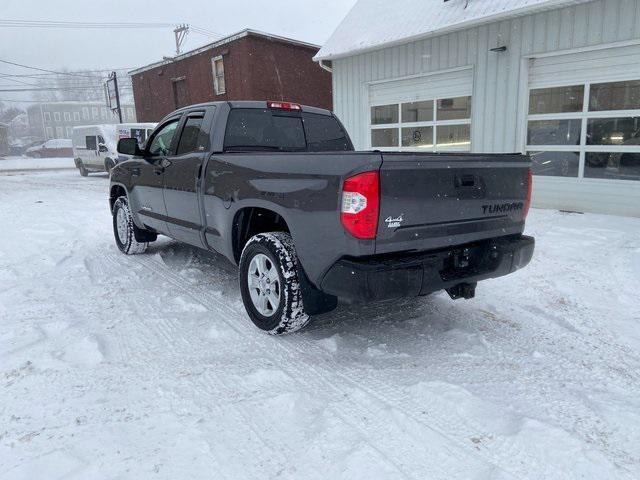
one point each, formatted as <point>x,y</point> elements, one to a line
<point>278,189</point>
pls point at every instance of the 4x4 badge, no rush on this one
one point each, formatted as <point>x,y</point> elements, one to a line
<point>394,222</point>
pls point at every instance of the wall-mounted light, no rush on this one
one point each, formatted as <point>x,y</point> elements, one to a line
<point>503,48</point>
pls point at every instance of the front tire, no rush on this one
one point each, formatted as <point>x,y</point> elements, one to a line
<point>124,229</point>
<point>270,284</point>
<point>108,165</point>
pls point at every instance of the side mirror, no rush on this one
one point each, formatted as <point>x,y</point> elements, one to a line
<point>102,148</point>
<point>129,146</point>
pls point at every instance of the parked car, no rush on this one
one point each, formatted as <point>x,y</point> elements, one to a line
<point>56,147</point>
<point>277,189</point>
<point>95,146</point>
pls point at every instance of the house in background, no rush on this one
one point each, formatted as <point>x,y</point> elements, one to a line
<point>49,120</point>
<point>558,79</point>
<point>248,65</point>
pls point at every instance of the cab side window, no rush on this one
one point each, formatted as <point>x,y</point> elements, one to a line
<point>90,142</point>
<point>192,138</point>
<point>161,143</point>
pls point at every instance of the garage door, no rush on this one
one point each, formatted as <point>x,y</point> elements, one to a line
<point>583,126</point>
<point>428,113</point>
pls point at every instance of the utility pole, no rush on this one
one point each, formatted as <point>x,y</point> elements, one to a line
<point>180,32</point>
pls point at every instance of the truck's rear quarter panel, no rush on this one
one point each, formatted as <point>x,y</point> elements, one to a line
<point>304,188</point>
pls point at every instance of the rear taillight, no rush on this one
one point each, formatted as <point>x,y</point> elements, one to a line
<point>527,202</point>
<point>360,205</point>
<point>284,105</point>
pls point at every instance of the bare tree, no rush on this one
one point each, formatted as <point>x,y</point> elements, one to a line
<point>80,85</point>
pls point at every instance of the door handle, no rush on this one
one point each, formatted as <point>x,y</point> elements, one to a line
<point>465,181</point>
<point>158,171</point>
<point>135,172</point>
<point>199,172</point>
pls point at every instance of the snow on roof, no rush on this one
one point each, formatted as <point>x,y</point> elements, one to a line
<point>372,24</point>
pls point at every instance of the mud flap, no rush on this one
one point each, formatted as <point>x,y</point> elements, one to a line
<point>315,302</point>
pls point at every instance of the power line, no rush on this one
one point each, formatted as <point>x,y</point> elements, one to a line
<point>46,89</point>
<point>80,24</point>
<point>49,71</point>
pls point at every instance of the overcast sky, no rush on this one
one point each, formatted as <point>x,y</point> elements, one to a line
<point>309,20</point>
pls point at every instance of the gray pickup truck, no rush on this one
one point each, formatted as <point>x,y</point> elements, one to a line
<point>277,189</point>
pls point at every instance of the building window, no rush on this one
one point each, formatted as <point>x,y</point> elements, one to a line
<point>76,116</point>
<point>56,116</point>
<point>47,117</point>
<point>105,113</point>
<point>85,113</point>
<point>219,85</point>
<point>590,130</point>
<point>59,132</point>
<point>69,132</point>
<point>95,112</point>
<point>436,125</point>
<point>49,131</point>
<point>67,116</point>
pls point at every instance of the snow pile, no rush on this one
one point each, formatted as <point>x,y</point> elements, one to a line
<point>15,164</point>
<point>147,366</point>
<point>374,23</point>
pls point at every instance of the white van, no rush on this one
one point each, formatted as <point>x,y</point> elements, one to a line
<point>95,146</point>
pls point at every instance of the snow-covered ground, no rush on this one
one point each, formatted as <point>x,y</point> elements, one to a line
<point>19,164</point>
<point>147,367</point>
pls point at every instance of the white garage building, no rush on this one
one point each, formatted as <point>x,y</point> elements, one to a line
<point>559,79</point>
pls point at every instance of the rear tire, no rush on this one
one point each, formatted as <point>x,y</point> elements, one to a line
<point>270,284</point>
<point>124,229</point>
<point>83,170</point>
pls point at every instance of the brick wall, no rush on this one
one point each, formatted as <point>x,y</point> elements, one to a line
<point>256,68</point>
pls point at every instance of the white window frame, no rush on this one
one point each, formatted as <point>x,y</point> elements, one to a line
<point>56,116</point>
<point>434,124</point>
<point>216,86</point>
<point>85,113</point>
<point>95,113</point>
<point>69,132</point>
<point>67,116</point>
<point>49,133</point>
<point>584,116</point>
<point>47,117</point>
<point>59,132</point>
<point>76,116</point>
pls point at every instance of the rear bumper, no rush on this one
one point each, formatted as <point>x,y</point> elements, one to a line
<point>409,275</point>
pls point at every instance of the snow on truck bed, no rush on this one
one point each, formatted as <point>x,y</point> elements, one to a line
<point>147,366</point>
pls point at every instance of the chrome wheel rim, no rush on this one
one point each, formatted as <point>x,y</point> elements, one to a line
<point>121,225</point>
<point>264,285</point>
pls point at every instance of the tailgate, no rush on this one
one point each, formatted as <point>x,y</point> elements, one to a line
<point>430,201</point>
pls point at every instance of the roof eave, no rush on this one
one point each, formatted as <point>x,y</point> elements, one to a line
<point>519,12</point>
<point>222,41</point>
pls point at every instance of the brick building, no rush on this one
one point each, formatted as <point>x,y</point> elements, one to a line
<point>248,65</point>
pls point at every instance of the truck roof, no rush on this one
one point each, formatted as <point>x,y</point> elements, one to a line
<point>251,104</point>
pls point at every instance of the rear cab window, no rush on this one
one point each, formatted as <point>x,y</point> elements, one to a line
<point>253,129</point>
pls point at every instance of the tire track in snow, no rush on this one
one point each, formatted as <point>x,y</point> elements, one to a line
<point>167,333</point>
<point>321,381</point>
<point>510,456</point>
